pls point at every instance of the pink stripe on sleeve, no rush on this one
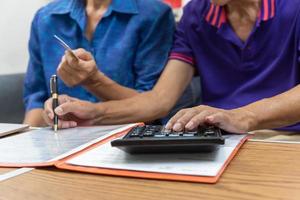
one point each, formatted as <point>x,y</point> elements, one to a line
<point>209,13</point>
<point>266,9</point>
<point>214,21</point>
<point>222,18</point>
<point>182,57</point>
<point>272,8</point>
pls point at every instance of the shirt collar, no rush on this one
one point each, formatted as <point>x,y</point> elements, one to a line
<point>63,7</point>
<point>216,15</point>
<point>122,6</point>
<point>125,6</point>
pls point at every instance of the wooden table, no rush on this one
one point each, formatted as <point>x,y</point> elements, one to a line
<point>259,171</point>
<point>5,170</point>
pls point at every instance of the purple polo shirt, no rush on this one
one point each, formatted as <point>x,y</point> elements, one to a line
<point>235,73</point>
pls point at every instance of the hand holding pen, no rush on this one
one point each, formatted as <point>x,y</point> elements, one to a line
<point>54,95</point>
<point>78,67</point>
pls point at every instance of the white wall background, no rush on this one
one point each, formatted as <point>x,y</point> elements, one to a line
<point>15,20</point>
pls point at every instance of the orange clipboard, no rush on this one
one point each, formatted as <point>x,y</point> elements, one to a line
<point>62,164</point>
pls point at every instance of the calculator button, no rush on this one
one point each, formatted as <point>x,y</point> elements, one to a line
<point>135,133</point>
<point>192,132</point>
<point>175,134</point>
<point>150,127</point>
<point>166,131</point>
<point>188,135</point>
<point>209,133</point>
<point>160,134</point>
<point>148,133</point>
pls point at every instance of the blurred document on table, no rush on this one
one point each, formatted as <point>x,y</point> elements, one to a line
<point>45,145</point>
<point>6,129</point>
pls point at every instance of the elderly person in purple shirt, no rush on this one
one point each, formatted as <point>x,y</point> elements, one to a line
<point>247,54</point>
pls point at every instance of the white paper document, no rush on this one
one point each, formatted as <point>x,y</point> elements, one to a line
<point>6,129</point>
<point>201,164</point>
<point>45,145</point>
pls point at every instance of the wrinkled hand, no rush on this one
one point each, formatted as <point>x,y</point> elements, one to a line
<point>77,71</point>
<point>72,112</point>
<point>235,121</point>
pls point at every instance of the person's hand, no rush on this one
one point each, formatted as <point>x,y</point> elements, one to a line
<point>77,71</point>
<point>72,112</point>
<point>235,121</point>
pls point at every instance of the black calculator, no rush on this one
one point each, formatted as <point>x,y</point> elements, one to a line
<point>157,139</point>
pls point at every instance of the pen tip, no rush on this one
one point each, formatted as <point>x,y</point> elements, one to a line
<point>55,127</point>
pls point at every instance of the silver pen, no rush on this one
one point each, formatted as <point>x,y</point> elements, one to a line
<point>65,46</point>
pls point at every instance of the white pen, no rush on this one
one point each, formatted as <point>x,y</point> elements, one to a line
<point>65,46</point>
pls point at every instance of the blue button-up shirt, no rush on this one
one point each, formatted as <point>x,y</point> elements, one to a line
<point>130,45</point>
<point>235,73</point>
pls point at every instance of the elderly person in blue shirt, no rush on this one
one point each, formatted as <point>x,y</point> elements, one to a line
<point>247,54</point>
<point>123,46</point>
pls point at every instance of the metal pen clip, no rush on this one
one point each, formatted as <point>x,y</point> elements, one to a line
<point>53,84</point>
